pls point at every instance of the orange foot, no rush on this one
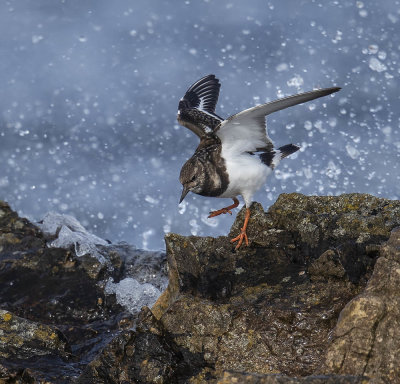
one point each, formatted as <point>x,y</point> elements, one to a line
<point>225,210</point>
<point>242,236</point>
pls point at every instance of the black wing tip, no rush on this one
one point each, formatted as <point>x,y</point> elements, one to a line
<point>204,90</point>
<point>206,80</point>
<point>335,89</point>
<point>211,76</point>
<point>328,91</point>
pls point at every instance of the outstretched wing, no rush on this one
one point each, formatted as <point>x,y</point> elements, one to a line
<point>246,131</point>
<point>203,95</point>
<point>196,109</point>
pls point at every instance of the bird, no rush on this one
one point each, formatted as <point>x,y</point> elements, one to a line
<point>235,155</point>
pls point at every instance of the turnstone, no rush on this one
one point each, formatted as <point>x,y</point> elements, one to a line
<point>235,155</point>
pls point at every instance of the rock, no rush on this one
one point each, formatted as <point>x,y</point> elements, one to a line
<point>267,310</point>
<point>351,225</point>
<point>25,343</point>
<point>46,287</point>
<point>19,376</point>
<point>366,339</point>
<point>313,299</point>
<point>60,294</point>
<point>241,378</point>
<point>148,355</point>
<point>23,339</point>
<point>270,308</point>
<point>16,233</point>
<point>53,286</point>
<point>327,265</point>
<point>256,312</point>
<point>321,219</point>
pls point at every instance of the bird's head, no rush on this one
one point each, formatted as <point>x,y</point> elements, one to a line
<point>192,177</point>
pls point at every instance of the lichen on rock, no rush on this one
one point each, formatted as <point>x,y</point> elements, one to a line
<point>22,339</point>
<point>270,308</point>
<point>314,299</point>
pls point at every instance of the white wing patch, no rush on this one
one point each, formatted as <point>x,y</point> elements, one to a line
<point>244,133</point>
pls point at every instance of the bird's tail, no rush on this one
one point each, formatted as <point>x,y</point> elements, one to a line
<point>273,157</point>
<point>287,150</point>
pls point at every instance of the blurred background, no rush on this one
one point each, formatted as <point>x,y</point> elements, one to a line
<point>89,92</point>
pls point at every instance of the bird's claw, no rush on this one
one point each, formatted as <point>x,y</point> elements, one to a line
<point>242,236</point>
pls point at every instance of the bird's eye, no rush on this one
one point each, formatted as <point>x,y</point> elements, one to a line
<point>193,178</point>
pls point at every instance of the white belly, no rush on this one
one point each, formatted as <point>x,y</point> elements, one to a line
<point>247,174</point>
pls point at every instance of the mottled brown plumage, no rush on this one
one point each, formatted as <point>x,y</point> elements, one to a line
<point>205,172</point>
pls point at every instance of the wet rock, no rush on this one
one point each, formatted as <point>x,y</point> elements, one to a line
<point>21,338</point>
<point>260,314</point>
<point>326,266</point>
<point>143,266</point>
<point>24,343</point>
<point>50,285</point>
<point>366,339</point>
<point>16,234</point>
<point>267,313</point>
<point>246,378</point>
<point>53,288</point>
<point>148,355</point>
<point>271,307</point>
<point>18,376</point>
<point>351,225</point>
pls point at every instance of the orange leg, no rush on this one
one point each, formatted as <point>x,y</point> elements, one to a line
<point>242,234</point>
<point>226,209</point>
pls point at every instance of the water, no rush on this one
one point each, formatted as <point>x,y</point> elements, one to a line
<point>144,277</point>
<point>90,93</point>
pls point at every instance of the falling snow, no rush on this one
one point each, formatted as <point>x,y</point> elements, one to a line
<point>90,92</point>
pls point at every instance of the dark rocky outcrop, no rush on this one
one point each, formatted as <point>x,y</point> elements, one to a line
<point>366,339</point>
<point>147,355</point>
<point>22,339</point>
<point>313,299</point>
<point>254,378</point>
<point>269,310</point>
<point>55,316</point>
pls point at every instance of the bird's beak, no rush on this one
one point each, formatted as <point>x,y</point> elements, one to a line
<point>184,193</point>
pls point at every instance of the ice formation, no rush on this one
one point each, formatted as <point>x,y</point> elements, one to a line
<point>68,232</point>
<point>133,295</point>
<point>134,290</point>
